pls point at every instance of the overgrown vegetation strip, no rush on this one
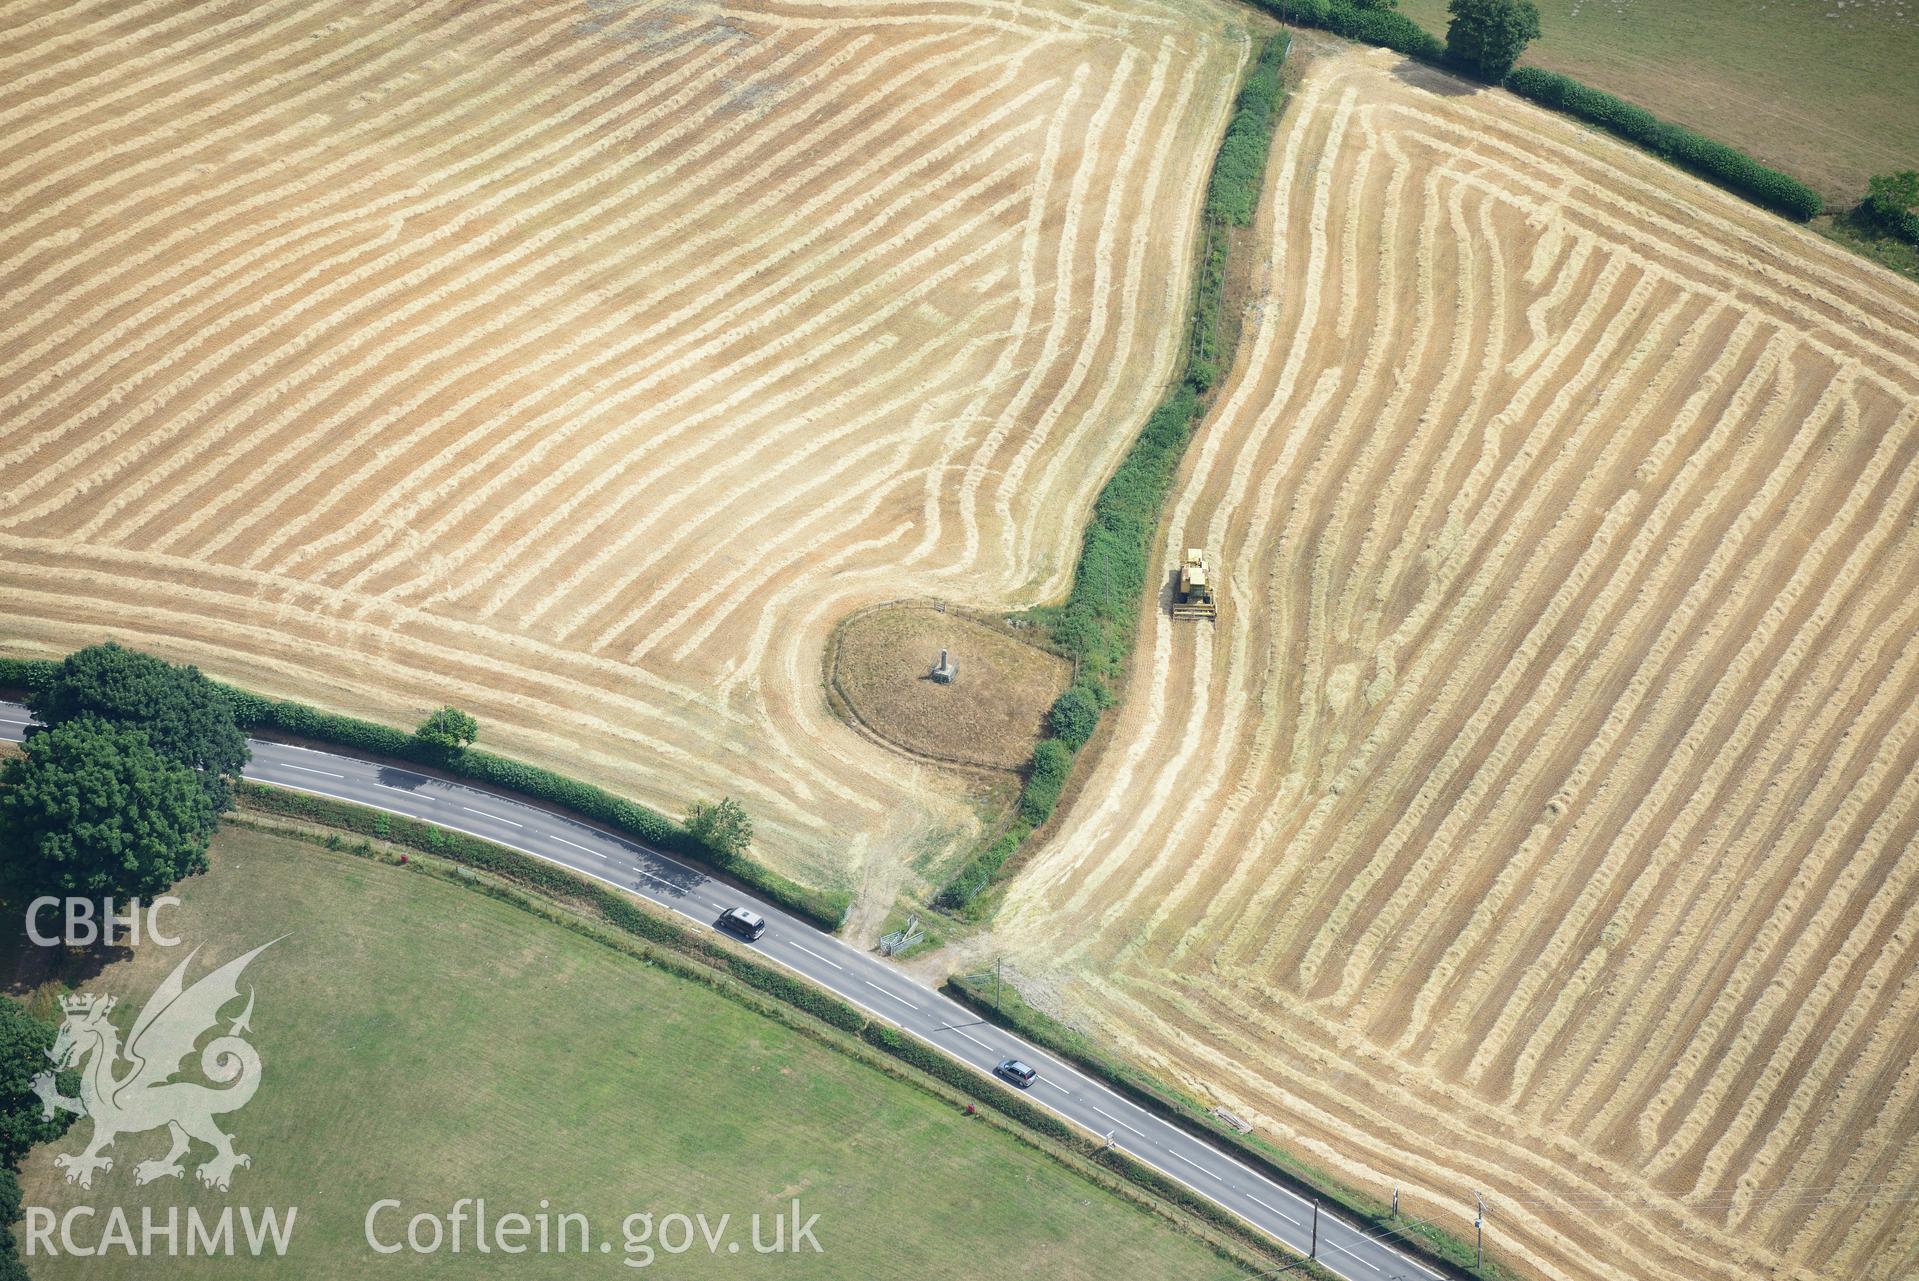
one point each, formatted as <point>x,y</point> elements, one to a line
<point>1097,623</point>
<point>691,955</point>
<point>1004,1005</point>
<point>252,712</point>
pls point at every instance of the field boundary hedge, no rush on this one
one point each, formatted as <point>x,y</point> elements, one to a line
<point>1387,28</point>
<point>699,959</point>
<point>1096,624</point>
<point>1430,1243</point>
<point>1717,163</point>
<point>826,909</point>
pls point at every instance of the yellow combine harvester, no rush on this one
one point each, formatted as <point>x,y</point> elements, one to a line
<point>1193,597</point>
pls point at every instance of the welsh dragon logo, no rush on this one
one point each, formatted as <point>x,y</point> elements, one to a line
<point>144,1096</point>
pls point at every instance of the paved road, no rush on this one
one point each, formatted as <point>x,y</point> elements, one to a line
<point>863,978</point>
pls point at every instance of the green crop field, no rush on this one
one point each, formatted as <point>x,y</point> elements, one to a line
<point>425,1043</point>
<point>1827,90</point>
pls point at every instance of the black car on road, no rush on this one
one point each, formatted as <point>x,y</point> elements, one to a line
<point>737,920</point>
<point>1018,1073</point>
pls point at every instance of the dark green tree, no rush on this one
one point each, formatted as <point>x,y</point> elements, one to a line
<point>24,1041</point>
<point>449,729</point>
<point>91,810</point>
<point>1073,716</point>
<point>722,827</point>
<point>1486,37</point>
<point>1892,204</point>
<point>11,1266</point>
<point>182,713</point>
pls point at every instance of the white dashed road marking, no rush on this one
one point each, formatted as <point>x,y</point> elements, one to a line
<point>1349,1254</point>
<point>816,956</point>
<point>1115,1120</point>
<point>883,992</point>
<point>1275,1209</point>
<point>428,796</point>
<point>1196,1165</point>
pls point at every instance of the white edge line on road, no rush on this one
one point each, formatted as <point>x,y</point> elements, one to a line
<point>883,992</point>
<point>1241,1166</point>
<point>816,956</point>
<point>295,747</point>
<point>1115,1120</point>
<point>625,843</point>
<point>855,1001</point>
<point>544,858</point>
<point>305,769</point>
<point>483,814</point>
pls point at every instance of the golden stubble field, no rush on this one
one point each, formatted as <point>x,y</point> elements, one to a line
<point>582,364</point>
<point>1539,817</point>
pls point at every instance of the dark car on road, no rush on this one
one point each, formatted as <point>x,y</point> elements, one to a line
<point>1018,1073</point>
<point>737,920</point>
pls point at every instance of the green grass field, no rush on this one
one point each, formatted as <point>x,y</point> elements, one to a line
<point>1827,90</point>
<point>425,1042</point>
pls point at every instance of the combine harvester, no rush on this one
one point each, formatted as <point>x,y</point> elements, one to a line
<point>1193,595</point>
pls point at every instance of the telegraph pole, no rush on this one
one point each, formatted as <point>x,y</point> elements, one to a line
<point>1395,1203</point>
<point>1479,1233</point>
<point>996,962</point>
<point>1314,1252</point>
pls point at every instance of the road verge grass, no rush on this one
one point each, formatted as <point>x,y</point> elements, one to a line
<point>590,907</point>
<point>428,1034</point>
<point>1000,1003</point>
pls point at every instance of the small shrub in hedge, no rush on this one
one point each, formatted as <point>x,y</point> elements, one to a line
<point>1046,777</point>
<point>1074,716</point>
<point>26,674</point>
<point>449,730</point>
<point>980,870</point>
